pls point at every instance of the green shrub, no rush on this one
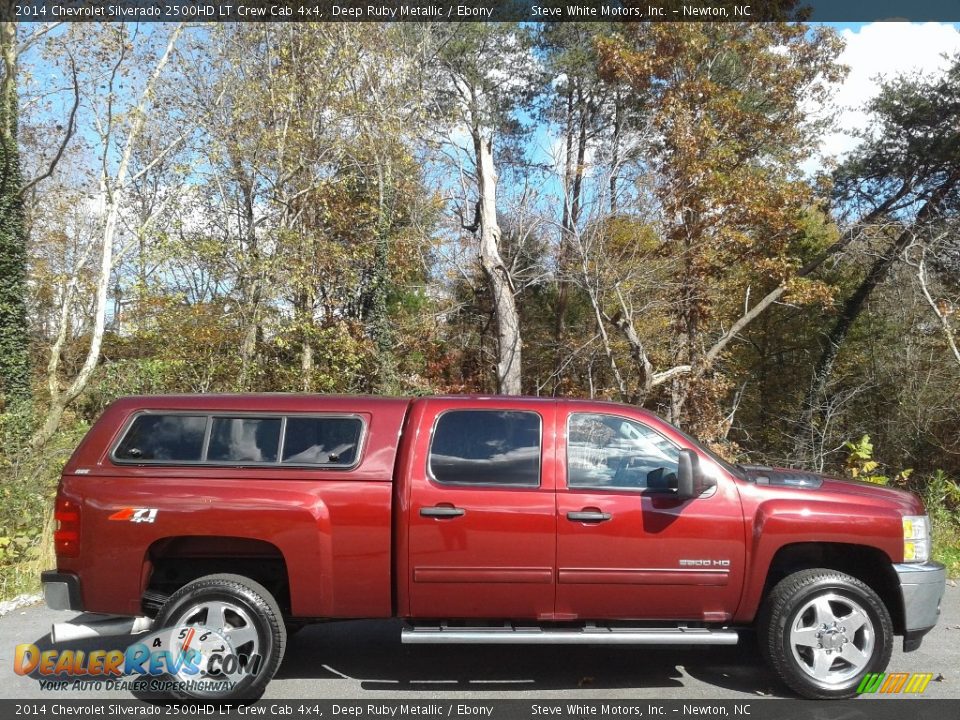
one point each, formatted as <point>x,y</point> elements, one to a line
<point>862,466</point>
<point>941,496</point>
<point>28,483</point>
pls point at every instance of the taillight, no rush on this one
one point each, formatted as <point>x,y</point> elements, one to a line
<point>66,538</point>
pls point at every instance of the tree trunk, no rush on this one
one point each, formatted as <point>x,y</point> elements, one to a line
<point>563,254</point>
<point>577,195</point>
<point>14,336</point>
<point>304,302</point>
<point>577,123</point>
<point>112,191</point>
<point>501,287</point>
<point>615,152</point>
<point>306,364</point>
<point>385,381</point>
<point>253,291</point>
<point>687,323</point>
<point>60,400</point>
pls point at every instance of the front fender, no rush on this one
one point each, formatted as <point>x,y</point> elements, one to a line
<point>777,524</point>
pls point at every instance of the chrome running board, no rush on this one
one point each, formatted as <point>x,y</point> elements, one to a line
<point>590,635</point>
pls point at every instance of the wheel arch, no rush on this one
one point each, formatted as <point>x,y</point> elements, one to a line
<point>172,562</point>
<point>868,564</point>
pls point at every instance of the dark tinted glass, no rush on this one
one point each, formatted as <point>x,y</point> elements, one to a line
<point>164,437</point>
<point>322,441</point>
<point>244,440</point>
<point>483,447</point>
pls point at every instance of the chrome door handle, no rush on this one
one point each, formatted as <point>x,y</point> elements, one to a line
<point>442,511</point>
<point>588,516</point>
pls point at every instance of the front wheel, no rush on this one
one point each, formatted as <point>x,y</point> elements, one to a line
<point>233,630</point>
<point>823,631</point>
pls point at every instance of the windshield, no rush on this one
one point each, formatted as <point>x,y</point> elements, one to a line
<point>734,470</point>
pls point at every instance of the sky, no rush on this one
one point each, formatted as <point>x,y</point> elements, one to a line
<point>884,49</point>
<point>873,51</point>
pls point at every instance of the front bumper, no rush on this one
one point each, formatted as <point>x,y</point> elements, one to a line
<point>922,586</point>
<point>61,591</point>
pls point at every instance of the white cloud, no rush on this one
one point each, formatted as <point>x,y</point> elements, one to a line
<point>556,155</point>
<point>883,50</point>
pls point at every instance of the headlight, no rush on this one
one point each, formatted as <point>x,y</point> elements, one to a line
<point>916,538</point>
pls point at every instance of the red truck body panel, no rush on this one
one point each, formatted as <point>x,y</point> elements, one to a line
<point>630,567</point>
<point>838,512</point>
<point>498,559</point>
<point>333,527</point>
<point>354,542</point>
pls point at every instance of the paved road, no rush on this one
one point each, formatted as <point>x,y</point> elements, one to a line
<point>365,660</point>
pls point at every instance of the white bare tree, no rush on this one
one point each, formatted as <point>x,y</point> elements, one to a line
<point>117,132</point>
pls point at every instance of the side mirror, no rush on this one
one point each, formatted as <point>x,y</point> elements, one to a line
<point>691,482</point>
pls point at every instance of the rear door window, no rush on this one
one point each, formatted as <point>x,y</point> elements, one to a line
<point>164,438</point>
<point>486,447</point>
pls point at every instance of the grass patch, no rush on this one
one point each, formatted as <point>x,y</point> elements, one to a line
<point>28,482</point>
<point>946,549</point>
<point>19,579</point>
<point>941,496</point>
<point>23,577</point>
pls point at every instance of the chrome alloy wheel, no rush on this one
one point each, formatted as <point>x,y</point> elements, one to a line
<point>222,629</point>
<point>832,638</point>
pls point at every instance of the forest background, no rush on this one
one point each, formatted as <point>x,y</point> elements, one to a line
<point>679,216</point>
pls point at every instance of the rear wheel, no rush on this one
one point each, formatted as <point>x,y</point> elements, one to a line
<point>235,630</point>
<point>823,630</point>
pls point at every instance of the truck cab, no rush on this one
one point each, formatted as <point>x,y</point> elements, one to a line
<point>563,512</point>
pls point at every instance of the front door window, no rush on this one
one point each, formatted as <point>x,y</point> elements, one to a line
<point>606,451</point>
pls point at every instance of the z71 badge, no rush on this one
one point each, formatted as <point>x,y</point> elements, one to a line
<point>137,515</point>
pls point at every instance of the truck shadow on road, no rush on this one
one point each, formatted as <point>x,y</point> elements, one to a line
<point>370,653</point>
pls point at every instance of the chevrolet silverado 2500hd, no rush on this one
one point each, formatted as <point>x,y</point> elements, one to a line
<point>479,520</point>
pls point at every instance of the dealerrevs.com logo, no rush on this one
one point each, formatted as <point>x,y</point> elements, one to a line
<point>891,683</point>
<point>193,658</point>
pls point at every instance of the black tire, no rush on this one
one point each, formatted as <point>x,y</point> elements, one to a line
<point>819,662</point>
<point>250,611</point>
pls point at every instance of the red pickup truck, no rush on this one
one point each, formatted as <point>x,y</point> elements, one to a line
<point>478,520</point>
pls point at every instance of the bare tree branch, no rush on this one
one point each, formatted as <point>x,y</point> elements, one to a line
<point>941,313</point>
<point>37,35</point>
<point>68,135</point>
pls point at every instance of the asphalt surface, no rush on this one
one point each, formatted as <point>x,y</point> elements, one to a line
<point>364,660</point>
